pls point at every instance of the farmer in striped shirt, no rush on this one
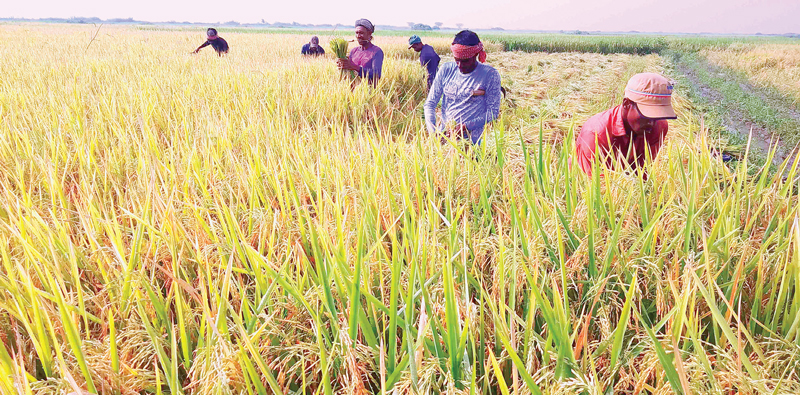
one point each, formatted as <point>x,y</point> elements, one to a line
<point>468,89</point>
<point>632,131</point>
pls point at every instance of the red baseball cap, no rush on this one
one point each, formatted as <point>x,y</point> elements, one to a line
<point>652,93</point>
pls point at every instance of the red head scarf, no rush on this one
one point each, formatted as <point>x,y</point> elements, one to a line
<point>467,51</point>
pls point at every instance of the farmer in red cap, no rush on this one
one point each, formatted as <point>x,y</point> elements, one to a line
<point>627,131</point>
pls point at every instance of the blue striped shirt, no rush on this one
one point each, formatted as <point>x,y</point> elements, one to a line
<point>459,105</point>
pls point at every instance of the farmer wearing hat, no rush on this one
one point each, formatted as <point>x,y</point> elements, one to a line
<point>366,59</point>
<point>427,57</point>
<point>626,131</point>
<point>312,48</point>
<point>468,89</point>
<point>218,43</point>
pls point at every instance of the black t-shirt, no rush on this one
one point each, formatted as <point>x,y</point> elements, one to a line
<point>219,44</point>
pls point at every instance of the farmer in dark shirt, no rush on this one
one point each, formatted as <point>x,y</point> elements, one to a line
<point>427,57</point>
<point>218,43</point>
<point>313,48</point>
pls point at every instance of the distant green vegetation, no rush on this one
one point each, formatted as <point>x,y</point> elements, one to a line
<point>697,43</point>
<point>631,44</point>
<point>640,45</point>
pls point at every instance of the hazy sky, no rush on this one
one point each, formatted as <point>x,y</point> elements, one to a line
<point>691,16</point>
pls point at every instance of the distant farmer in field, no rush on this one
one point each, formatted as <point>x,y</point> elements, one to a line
<point>625,131</point>
<point>367,58</point>
<point>218,43</point>
<point>471,91</point>
<point>427,57</point>
<point>312,48</point>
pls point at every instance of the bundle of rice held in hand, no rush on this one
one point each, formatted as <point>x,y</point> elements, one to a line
<point>339,48</point>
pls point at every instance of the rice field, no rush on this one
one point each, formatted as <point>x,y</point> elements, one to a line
<point>188,224</point>
<point>774,66</point>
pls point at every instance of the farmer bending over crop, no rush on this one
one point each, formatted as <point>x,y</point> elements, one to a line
<point>313,48</point>
<point>427,57</point>
<point>639,122</point>
<point>471,91</point>
<point>218,43</point>
<point>367,58</point>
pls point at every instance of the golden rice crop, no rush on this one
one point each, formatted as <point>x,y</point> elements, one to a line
<point>252,225</point>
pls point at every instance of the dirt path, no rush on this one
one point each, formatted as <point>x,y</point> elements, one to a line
<point>735,119</point>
